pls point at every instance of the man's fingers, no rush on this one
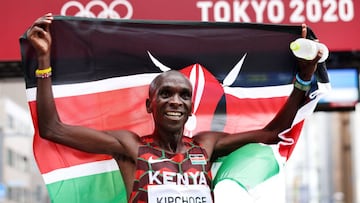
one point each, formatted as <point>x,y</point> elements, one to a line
<point>40,28</point>
<point>44,21</point>
<point>303,30</point>
<point>48,15</point>
<point>36,32</point>
<point>319,55</point>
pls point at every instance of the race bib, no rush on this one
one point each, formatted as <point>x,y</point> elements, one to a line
<point>179,194</point>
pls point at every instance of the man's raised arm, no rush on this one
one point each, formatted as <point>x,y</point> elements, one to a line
<point>49,123</point>
<point>224,143</point>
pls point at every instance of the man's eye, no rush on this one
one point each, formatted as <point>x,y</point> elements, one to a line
<point>165,94</point>
<point>186,96</point>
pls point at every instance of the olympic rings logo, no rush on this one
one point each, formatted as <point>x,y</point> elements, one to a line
<point>107,11</point>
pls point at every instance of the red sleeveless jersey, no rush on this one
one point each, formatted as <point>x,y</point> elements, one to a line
<point>164,177</point>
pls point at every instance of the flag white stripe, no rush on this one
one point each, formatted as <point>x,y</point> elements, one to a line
<point>81,170</point>
<point>92,87</point>
<point>259,92</point>
<point>145,79</point>
<point>306,110</point>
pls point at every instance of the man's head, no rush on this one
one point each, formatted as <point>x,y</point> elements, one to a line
<point>170,100</point>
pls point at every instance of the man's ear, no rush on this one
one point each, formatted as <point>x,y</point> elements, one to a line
<point>148,105</point>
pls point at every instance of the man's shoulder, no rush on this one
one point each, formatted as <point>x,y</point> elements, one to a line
<point>207,135</point>
<point>125,137</point>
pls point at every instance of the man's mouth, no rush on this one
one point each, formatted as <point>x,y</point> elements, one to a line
<point>174,114</point>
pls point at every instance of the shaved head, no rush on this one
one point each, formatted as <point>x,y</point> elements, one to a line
<point>154,85</point>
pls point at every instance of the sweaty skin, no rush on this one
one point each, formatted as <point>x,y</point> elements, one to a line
<point>169,102</point>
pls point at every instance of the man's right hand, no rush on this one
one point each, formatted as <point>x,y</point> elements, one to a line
<point>39,36</point>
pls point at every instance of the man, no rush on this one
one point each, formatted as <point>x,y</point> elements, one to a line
<point>165,164</point>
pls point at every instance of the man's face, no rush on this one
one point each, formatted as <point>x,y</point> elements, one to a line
<point>171,102</point>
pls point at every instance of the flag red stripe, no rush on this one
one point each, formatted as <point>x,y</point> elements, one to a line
<point>103,111</point>
<point>251,114</point>
<point>106,110</point>
<point>294,133</point>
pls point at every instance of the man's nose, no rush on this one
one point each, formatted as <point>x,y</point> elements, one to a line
<point>175,100</point>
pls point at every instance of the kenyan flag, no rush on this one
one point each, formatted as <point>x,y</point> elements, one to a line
<point>241,73</point>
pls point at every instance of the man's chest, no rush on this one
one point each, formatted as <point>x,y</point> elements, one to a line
<point>174,177</point>
<point>159,167</point>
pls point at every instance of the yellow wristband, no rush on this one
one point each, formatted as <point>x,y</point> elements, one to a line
<point>43,73</point>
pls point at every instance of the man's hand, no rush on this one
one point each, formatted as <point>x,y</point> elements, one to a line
<point>306,67</point>
<point>39,35</point>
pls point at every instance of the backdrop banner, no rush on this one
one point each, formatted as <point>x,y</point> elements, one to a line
<point>330,18</point>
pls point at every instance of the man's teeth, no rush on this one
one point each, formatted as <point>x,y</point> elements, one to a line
<point>173,113</point>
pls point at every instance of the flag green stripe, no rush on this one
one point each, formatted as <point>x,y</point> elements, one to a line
<point>100,188</point>
<point>248,166</point>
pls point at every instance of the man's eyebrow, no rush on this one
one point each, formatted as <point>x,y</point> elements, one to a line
<point>164,87</point>
<point>187,89</point>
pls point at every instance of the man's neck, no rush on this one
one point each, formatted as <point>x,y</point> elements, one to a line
<point>171,142</point>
